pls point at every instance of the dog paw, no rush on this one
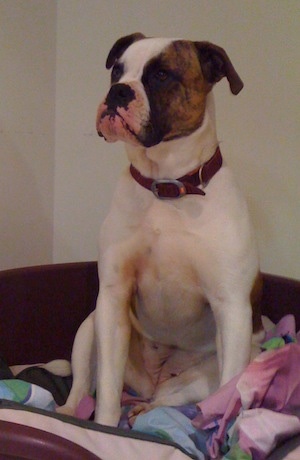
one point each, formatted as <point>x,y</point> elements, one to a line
<point>139,409</point>
<point>65,410</point>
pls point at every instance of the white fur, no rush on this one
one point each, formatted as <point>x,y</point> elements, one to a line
<point>140,53</point>
<point>173,257</point>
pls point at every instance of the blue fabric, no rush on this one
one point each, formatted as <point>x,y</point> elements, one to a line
<point>168,423</point>
<point>27,394</point>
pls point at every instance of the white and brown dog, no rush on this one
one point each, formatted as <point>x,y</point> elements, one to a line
<point>178,267</point>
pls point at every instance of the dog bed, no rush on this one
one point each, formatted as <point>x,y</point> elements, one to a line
<point>41,310</point>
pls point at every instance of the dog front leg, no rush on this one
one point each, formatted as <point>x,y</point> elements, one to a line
<point>234,333</point>
<point>112,330</point>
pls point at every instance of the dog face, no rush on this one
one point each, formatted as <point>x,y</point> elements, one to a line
<point>159,88</point>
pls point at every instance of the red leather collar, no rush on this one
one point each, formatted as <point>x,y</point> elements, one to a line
<point>166,189</point>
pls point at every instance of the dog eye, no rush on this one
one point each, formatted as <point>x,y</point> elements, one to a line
<point>116,73</point>
<point>161,75</point>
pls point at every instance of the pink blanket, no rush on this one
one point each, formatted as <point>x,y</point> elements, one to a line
<point>257,409</point>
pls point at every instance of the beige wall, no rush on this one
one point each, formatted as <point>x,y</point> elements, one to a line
<point>258,130</point>
<point>27,102</point>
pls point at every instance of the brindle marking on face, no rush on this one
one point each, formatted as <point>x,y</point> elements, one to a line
<point>176,90</point>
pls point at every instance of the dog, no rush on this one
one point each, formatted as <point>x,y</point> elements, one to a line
<point>178,305</point>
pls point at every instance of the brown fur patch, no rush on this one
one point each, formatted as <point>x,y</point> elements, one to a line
<point>177,104</point>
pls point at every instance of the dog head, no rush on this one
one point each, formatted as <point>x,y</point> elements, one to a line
<point>159,88</point>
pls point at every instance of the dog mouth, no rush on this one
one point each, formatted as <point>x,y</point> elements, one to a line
<point>130,124</point>
<point>127,125</point>
<point>113,126</point>
<point>112,114</point>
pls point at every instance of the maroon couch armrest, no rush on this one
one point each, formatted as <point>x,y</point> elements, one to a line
<point>24,442</point>
<point>41,309</point>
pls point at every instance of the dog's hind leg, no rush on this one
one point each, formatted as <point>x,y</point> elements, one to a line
<point>191,386</point>
<point>83,366</point>
<point>136,375</point>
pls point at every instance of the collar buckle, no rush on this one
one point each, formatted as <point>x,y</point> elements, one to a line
<point>166,189</point>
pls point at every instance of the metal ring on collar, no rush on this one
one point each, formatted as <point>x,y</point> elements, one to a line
<point>180,188</point>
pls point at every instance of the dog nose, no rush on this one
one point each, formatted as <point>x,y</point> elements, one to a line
<point>120,95</point>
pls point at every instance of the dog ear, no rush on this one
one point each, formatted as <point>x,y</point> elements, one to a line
<point>215,65</point>
<point>120,46</point>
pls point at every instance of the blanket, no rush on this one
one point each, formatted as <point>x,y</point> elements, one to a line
<point>26,393</point>
<point>245,419</point>
<point>44,386</point>
<point>259,408</point>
